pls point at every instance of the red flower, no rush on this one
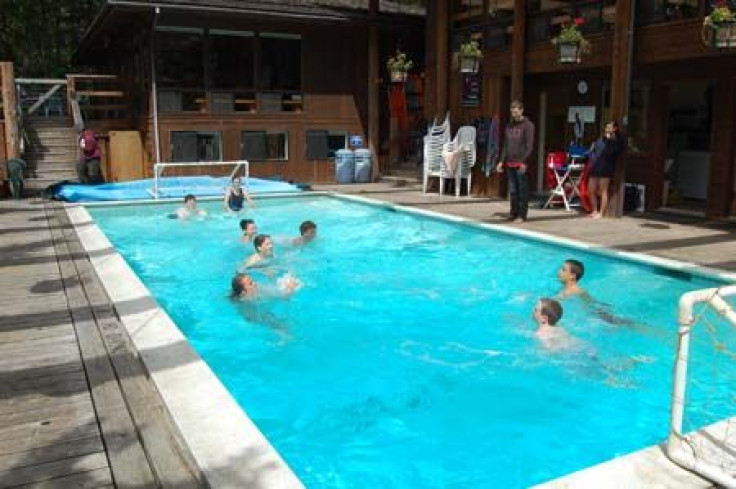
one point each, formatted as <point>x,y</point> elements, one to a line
<point>579,21</point>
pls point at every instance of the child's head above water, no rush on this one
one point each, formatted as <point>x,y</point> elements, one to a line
<point>547,312</point>
<point>571,270</point>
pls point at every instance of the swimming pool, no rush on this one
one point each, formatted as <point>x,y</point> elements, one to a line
<point>407,359</point>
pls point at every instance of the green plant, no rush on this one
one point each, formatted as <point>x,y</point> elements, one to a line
<point>399,62</point>
<point>470,49</point>
<point>570,34</point>
<point>721,14</point>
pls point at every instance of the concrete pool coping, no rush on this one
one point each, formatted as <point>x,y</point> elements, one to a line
<point>230,450</point>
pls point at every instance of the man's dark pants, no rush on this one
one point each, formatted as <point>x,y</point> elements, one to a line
<point>518,193</point>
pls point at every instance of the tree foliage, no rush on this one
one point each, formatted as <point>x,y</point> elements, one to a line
<point>41,36</point>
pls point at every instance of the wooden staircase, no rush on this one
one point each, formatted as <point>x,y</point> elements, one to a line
<point>50,153</point>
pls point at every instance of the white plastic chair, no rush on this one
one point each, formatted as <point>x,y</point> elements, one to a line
<point>465,143</point>
<point>436,137</point>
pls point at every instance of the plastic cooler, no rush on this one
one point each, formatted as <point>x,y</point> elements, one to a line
<point>344,166</point>
<point>363,163</point>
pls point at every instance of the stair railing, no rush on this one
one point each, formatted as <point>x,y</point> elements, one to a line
<point>95,97</point>
<point>41,97</point>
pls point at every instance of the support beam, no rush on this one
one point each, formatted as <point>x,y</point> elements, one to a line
<point>10,110</point>
<point>518,50</point>
<point>623,38</point>
<point>437,68</point>
<point>722,149</point>
<point>374,85</point>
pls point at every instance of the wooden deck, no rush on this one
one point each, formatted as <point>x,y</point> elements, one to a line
<point>76,406</point>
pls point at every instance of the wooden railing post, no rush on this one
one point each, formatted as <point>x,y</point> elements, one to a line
<point>10,110</point>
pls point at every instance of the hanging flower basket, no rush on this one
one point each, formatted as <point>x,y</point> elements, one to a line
<point>719,27</point>
<point>570,43</point>
<point>721,36</point>
<point>569,52</point>
<point>469,65</point>
<point>470,56</point>
<point>398,76</point>
<point>398,66</point>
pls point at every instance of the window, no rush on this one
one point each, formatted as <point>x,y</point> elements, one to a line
<point>179,54</point>
<point>231,60</point>
<point>280,62</point>
<point>322,144</point>
<point>192,146</point>
<point>265,145</point>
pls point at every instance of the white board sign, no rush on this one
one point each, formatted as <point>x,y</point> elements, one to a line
<point>586,113</point>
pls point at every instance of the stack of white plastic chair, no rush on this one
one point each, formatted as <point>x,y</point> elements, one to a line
<point>437,136</point>
<point>465,143</point>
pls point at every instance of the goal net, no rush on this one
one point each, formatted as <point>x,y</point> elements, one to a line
<point>175,180</point>
<point>703,411</point>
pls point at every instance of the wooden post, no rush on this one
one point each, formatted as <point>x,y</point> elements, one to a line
<point>437,58</point>
<point>373,98</point>
<point>722,149</point>
<point>620,88</point>
<point>518,50</point>
<point>10,111</point>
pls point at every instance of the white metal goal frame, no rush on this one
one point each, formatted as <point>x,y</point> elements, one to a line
<point>158,169</point>
<point>679,448</point>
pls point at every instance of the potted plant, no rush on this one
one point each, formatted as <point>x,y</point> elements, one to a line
<point>570,42</point>
<point>719,27</point>
<point>398,65</point>
<point>470,56</point>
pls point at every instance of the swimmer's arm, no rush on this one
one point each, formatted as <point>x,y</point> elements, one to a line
<point>248,199</point>
<point>182,213</point>
<point>225,200</point>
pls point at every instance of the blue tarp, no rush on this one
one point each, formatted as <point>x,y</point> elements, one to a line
<point>169,187</point>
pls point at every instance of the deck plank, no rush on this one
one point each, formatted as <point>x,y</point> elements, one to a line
<point>126,455</point>
<point>49,432</point>
<point>54,470</point>
<point>173,464</point>
<point>98,479</point>
<point>51,453</point>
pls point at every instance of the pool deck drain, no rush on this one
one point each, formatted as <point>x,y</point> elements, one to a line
<point>77,407</point>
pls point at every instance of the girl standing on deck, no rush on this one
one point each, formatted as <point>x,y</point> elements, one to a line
<point>606,151</point>
<point>235,196</point>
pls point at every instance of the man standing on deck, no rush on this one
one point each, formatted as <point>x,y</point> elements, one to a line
<point>518,143</point>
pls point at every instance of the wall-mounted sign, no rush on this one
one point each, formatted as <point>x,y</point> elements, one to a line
<point>356,141</point>
<point>584,113</point>
<point>472,86</point>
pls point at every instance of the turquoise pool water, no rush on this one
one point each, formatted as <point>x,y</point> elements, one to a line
<point>407,359</point>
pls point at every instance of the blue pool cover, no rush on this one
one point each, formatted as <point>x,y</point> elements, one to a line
<point>169,187</point>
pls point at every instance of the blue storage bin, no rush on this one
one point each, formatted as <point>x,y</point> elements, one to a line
<point>344,166</point>
<point>363,163</point>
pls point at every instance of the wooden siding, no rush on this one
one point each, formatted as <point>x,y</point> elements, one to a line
<point>335,88</point>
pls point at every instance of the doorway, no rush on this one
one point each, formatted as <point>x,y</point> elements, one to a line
<point>687,165</point>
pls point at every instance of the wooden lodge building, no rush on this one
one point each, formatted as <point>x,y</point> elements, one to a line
<point>681,104</point>
<point>286,83</point>
<point>282,84</point>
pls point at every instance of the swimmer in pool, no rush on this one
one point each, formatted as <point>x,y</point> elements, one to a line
<point>569,275</point>
<point>307,233</point>
<point>547,314</point>
<point>250,230</point>
<point>236,196</point>
<point>190,209</point>
<point>264,252</point>
<point>244,287</point>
